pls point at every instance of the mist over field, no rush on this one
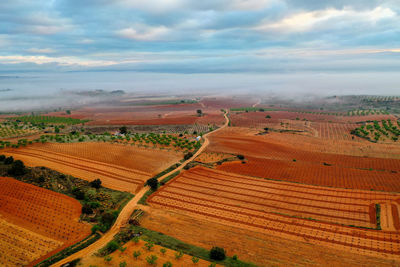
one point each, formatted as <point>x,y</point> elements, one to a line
<point>26,91</point>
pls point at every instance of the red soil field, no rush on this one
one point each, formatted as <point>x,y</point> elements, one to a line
<point>146,115</point>
<point>235,142</point>
<point>120,167</point>
<point>257,119</point>
<point>43,213</point>
<point>316,174</point>
<point>335,131</point>
<point>252,246</point>
<point>275,208</point>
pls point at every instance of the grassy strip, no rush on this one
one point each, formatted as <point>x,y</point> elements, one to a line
<point>378,216</point>
<point>145,196</point>
<point>169,177</point>
<point>171,168</point>
<point>70,250</point>
<point>175,244</point>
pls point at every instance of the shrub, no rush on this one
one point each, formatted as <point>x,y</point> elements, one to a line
<point>111,246</point>
<point>136,254</point>
<point>217,253</point>
<point>187,155</point>
<point>163,250</point>
<point>167,264</point>
<point>149,245</point>
<point>152,259</point>
<point>195,260</point>
<point>178,255</point>
<point>86,209</point>
<point>122,264</point>
<point>78,193</point>
<point>241,157</point>
<point>2,157</point>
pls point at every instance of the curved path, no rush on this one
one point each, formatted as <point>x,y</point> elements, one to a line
<point>127,211</point>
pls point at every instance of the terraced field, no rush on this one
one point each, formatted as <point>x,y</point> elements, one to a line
<point>119,167</point>
<point>298,212</point>
<point>35,222</point>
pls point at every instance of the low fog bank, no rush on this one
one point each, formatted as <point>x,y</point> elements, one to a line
<point>44,91</point>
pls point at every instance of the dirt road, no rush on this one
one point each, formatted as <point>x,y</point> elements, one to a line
<point>130,207</point>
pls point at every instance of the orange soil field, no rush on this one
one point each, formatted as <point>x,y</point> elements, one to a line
<point>146,115</point>
<point>120,167</point>
<point>252,246</point>
<point>210,157</point>
<point>35,222</point>
<point>275,208</point>
<point>118,257</point>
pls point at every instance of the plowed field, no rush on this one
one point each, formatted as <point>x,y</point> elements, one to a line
<point>316,174</point>
<point>287,210</point>
<point>120,167</point>
<point>35,222</point>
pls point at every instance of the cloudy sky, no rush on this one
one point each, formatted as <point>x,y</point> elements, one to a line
<point>198,37</point>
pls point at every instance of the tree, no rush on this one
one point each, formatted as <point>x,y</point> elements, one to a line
<point>123,130</point>
<point>68,111</point>
<point>153,183</point>
<point>217,253</point>
<point>2,157</point>
<point>152,259</point>
<point>9,160</point>
<point>136,254</point>
<point>167,264</point>
<point>195,260</point>
<point>268,117</point>
<point>163,250</point>
<point>96,183</point>
<point>199,112</point>
<point>17,168</point>
<point>56,129</point>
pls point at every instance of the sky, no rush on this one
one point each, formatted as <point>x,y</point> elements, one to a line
<point>254,43</point>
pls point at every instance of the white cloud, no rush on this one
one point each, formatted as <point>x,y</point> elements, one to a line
<point>63,61</point>
<point>306,21</point>
<point>142,32</point>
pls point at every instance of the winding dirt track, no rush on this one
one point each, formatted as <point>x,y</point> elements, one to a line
<point>130,207</point>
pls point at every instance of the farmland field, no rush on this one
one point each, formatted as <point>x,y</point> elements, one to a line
<point>35,222</point>
<point>120,167</point>
<point>286,210</point>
